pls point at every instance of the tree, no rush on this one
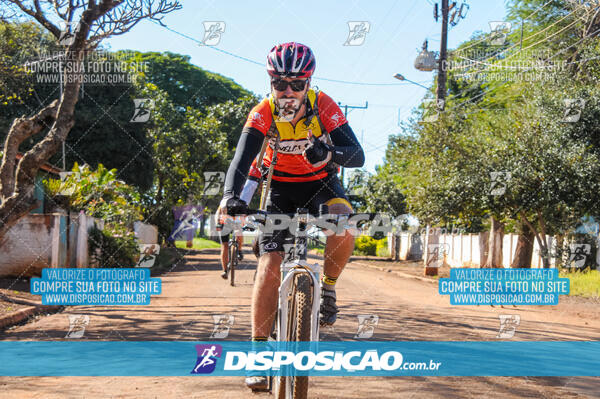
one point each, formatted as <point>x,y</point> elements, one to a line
<point>512,127</point>
<point>86,25</point>
<point>102,132</point>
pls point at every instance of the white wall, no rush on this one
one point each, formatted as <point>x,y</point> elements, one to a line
<point>463,249</point>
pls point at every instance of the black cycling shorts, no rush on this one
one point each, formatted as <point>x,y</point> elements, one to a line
<point>287,197</point>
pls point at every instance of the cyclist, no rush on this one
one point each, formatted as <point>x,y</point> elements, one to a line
<point>315,137</point>
<point>246,196</point>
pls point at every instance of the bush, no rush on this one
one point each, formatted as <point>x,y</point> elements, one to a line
<point>382,248</point>
<point>110,250</point>
<point>369,246</point>
<point>365,245</point>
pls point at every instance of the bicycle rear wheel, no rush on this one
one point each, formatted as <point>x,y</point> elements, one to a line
<point>299,326</point>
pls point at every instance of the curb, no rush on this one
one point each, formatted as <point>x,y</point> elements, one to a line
<point>25,313</point>
<point>398,273</point>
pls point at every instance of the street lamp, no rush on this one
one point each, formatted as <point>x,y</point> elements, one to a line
<point>401,77</point>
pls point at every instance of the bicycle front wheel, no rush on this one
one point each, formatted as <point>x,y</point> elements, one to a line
<point>299,327</point>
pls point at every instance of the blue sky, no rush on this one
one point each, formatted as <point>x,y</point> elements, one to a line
<point>397,30</point>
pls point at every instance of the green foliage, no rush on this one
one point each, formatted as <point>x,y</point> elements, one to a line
<point>198,243</point>
<point>377,193</point>
<point>382,249</point>
<point>365,245</point>
<point>187,85</point>
<point>99,194</point>
<point>368,246</point>
<point>108,249</point>
<point>585,283</point>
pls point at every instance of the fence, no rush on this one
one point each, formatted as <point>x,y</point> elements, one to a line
<point>54,240</point>
<point>459,250</point>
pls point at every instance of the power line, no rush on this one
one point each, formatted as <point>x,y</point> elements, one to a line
<point>262,64</point>
<point>526,18</point>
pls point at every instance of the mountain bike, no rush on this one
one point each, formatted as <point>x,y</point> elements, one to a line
<point>298,305</point>
<point>233,258</point>
<point>234,251</point>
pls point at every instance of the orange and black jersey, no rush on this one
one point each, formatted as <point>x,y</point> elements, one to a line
<point>331,126</point>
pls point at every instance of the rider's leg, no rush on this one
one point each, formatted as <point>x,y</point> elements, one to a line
<point>338,247</point>
<point>337,252</point>
<point>265,294</point>
<point>240,240</point>
<point>224,255</point>
<point>264,307</point>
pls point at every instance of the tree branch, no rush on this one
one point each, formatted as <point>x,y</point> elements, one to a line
<point>21,129</point>
<point>38,15</point>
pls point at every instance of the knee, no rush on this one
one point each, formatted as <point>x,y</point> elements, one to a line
<point>269,266</point>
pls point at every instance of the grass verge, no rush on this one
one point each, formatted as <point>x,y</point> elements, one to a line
<point>198,243</point>
<point>586,284</point>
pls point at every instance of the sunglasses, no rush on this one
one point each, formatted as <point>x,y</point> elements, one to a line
<point>281,85</point>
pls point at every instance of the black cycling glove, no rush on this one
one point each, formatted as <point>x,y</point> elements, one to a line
<point>317,151</point>
<point>236,206</point>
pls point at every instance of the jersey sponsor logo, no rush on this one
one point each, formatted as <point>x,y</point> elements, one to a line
<point>337,119</point>
<point>257,119</point>
<point>293,146</point>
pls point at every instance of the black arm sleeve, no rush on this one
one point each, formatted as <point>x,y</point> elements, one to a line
<point>347,151</point>
<point>247,149</point>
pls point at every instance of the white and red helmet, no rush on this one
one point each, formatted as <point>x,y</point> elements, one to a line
<point>291,60</point>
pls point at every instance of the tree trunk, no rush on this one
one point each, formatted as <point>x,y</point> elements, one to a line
<point>484,246</point>
<point>495,244</point>
<point>202,223</point>
<point>524,250</point>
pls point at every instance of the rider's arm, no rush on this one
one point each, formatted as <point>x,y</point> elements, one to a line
<point>346,150</point>
<point>247,149</point>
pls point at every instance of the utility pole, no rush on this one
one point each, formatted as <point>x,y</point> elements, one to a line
<point>441,89</point>
<point>346,106</point>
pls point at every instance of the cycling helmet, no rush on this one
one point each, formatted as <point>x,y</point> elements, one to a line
<point>291,60</point>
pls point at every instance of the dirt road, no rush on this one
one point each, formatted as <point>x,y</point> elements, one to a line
<point>408,309</point>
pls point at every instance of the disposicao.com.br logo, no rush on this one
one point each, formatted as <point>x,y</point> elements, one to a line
<point>306,358</point>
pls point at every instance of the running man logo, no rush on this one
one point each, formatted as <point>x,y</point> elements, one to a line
<point>366,325</point>
<point>222,324</point>
<point>508,325</point>
<point>207,358</point>
<point>148,254</point>
<point>77,325</point>
<point>212,32</point>
<point>573,109</point>
<point>578,254</point>
<point>499,182</point>
<point>213,181</point>
<point>357,33</point>
<point>186,222</point>
<point>436,254</point>
<point>141,113</point>
<point>498,32</point>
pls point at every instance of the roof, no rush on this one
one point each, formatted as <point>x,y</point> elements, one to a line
<point>45,167</point>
